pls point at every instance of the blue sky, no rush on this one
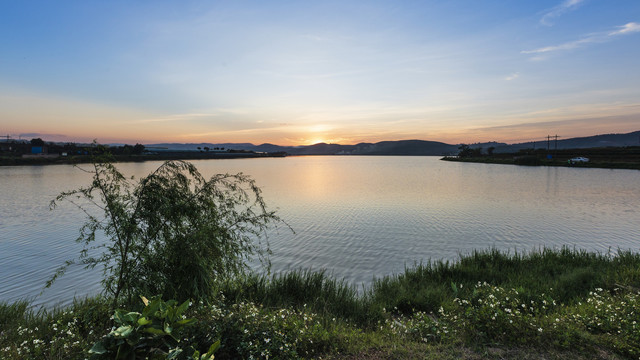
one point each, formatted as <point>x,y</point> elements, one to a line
<point>300,72</point>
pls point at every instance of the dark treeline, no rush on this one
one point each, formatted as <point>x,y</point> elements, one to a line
<point>37,146</point>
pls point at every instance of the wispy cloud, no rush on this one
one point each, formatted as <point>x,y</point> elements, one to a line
<point>626,29</point>
<point>178,117</point>
<point>566,46</point>
<point>628,122</point>
<point>47,137</point>
<point>512,76</point>
<point>562,8</point>
<point>601,37</point>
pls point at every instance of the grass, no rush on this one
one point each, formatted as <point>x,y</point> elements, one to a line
<point>54,333</point>
<point>571,274</point>
<point>301,289</point>
<point>552,304</point>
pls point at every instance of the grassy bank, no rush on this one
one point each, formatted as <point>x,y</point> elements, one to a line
<point>530,161</point>
<point>87,159</point>
<point>556,304</point>
<point>607,158</point>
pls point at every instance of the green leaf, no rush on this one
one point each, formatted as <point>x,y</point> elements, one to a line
<point>152,307</point>
<point>213,348</point>
<point>154,331</point>
<point>98,348</point>
<point>130,318</point>
<point>174,353</point>
<point>144,321</point>
<point>182,308</point>
<point>123,331</point>
<point>185,321</point>
<point>117,316</point>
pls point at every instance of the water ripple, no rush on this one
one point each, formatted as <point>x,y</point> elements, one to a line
<point>356,217</point>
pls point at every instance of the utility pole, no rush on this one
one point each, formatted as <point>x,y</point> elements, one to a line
<point>556,143</point>
<point>548,142</point>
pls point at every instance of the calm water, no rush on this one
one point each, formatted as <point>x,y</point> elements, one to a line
<point>357,217</point>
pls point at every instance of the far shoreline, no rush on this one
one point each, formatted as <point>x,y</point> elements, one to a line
<point>598,157</point>
<point>86,159</point>
<point>550,163</point>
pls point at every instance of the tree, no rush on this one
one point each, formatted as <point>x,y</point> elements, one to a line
<point>465,150</point>
<point>172,232</point>
<point>476,152</point>
<point>490,150</point>
<point>37,142</point>
<point>138,149</point>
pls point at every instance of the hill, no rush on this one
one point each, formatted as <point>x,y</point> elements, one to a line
<point>415,147</point>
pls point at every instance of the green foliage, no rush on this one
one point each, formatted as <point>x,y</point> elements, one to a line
<point>494,316</point>
<point>172,232</point>
<point>152,334</point>
<point>302,290</point>
<point>12,313</point>
<point>614,318</point>
<point>51,334</point>
<point>569,273</point>
<point>493,305</point>
<point>251,331</point>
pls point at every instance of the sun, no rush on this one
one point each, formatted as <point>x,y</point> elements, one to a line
<point>317,134</point>
<point>316,141</point>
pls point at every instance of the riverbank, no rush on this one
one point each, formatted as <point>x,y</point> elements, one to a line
<point>605,158</point>
<point>163,156</point>
<point>524,161</point>
<point>553,304</point>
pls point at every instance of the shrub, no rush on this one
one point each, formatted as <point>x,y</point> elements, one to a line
<point>173,232</point>
<point>152,334</point>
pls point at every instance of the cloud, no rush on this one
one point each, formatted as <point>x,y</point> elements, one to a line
<point>44,136</point>
<point>564,7</point>
<point>626,29</point>
<point>179,117</point>
<point>512,76</point>
<point>600,37</point>
<point>569,127</point>
<point>566,46</point>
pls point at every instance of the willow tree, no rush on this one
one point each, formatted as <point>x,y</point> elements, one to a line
<point>172,232</point>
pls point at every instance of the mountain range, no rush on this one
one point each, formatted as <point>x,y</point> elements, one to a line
<point>414,147</point>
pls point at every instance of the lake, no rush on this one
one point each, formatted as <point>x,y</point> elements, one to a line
<point>357,217</point>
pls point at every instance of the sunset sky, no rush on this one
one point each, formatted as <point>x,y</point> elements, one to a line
<point>301,72</point>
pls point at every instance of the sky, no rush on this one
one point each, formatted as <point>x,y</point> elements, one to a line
<point>302,72</point>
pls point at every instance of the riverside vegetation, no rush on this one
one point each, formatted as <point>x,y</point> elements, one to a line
<point>176,286</point>
<point>608,158</point>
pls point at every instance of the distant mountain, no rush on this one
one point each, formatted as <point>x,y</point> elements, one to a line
<point>606,140</point>
<point>402,147</point>
<point>413,147</point>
